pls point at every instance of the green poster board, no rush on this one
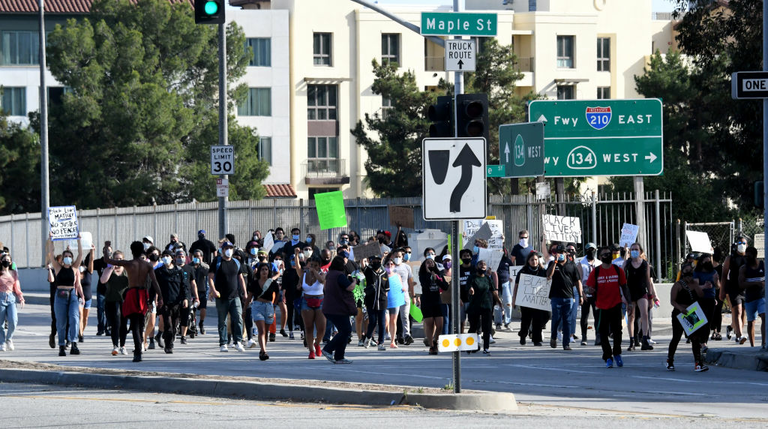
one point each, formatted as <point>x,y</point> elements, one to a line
<point>330,210</point>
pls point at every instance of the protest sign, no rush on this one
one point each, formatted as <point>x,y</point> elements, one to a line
<point>86,239</point>
<point>495,238</point>
<point>63,222</point>
<point>492,258</point>
<point>699,241</point>
<point>367,250</point>
<point>533,292</point>
<point>416,313</point>
<point>561,228</point>
<point>628,234</point>
<point>330,210</point>
<point>269,242</point>
<point>513,271</point>
<point>401,216</point>
<point>693,320</point>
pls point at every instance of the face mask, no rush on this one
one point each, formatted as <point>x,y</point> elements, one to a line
<point>480,272</point>
<point>389,270</point>
<point>67,260</point>
<point>154,258</point>
<point>228,253</point>
<point>615,255</point>
<point>606,259</point>
<point>82,269</point>
<point>6,263</point>
<point>201,236</point>
<point>741,248</point>
<point>466,261</point>
<point>343,241</point>
<point>397,261</point>
<point>407,256</point>
<point>523,243</point>
<point>253,251</point>
<point>278,262</point>
<point>376,265</point>
<point>327,260</point>
<point>707,266</point>
<point>447,265</point>
<point>307,253</point>
<point>634,254</point>
<point>561,258</point>
<point>146,246</point>
<point>295,237</point>
<point>590,255</point>
<point>167,260</point>
<point>179,261</point>
<point>309,240</point>
<point>196,260</point>
<point>431,256</point>
<point>255,238</point>
<point>476,250</point>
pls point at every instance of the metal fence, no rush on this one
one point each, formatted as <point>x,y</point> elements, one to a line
<point>601,218</point>
<point>721,235</point>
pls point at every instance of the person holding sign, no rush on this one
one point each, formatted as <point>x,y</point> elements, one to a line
<point>10,294</point>
<point>752,279</point>
<point>482,297</point>
<point>565,277</point>
<point>432,284</point>
<point>641,291</point>
<point>729,284</point>
<point>532,320</point>
<point>608,284</point>
<point>685,292</point>
<point>68,290</point>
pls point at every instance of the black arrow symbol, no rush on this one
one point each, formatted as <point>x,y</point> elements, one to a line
<point>466,160</point>
<point>461,63</point>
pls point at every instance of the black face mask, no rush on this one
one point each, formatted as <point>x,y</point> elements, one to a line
<point>376,265</point>
<point>751,260</point>
<point>154,258</point>
<point>707,267</point>
<point>6,263</point>
<point>606,259</point>
<point>590,255</point>
<point>201,236</point>
<point>466,261</point>
<point>481,272</point>
<point>326,261</point>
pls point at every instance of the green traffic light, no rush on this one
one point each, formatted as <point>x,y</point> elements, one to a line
<point>211,7</point>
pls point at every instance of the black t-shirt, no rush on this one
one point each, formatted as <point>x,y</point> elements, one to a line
<point>189,277</point>
<point>464,274</point>
<point>290,284</point>
<point>98,266</point>
<point>172,284</point>
<point>538,271</point>
<point>753,293</point>
<point>257,291</point>
<point>563,280</point>
<point>85,283</point>
<point>201,279</point>
<point>430,287</point>
<point>503,271</point>
<point>206,247</point>
<point>226,279</point>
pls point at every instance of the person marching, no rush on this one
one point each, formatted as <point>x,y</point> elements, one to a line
<point>262,292</point>
<point>432,284</point>
<point>685,292</point>
<point>68,291</point>
<point>116,281</point>
<point>530,317</point>
<point>608,284</point>
<point>641,292</point>
<point>377,287</point>
<point>10,295</point>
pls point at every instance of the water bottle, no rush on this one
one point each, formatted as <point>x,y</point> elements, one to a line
<point>656,303</point>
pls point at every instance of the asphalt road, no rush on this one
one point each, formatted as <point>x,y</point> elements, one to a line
<point>539,377</point>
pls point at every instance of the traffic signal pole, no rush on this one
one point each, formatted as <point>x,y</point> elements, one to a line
<point>765,146</point>
<point>223,131</point>
<point>455,280</point>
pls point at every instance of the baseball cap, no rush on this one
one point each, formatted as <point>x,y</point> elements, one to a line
<point>344,254</point>
<point>559,248</point>
<point>180,251</point>
<point>263,251</point>
<point>150,239</point>
<point>447,257</point>
<point>227,244</point>
<point>201,232</point>
<point>590,246</point>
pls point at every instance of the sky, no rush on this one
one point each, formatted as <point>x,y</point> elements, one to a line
<point>658,5</point>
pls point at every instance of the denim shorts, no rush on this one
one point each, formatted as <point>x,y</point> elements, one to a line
<point>261,311</point>
<point>755,308</point>
<point>87,304</point>
<point>305,306</point>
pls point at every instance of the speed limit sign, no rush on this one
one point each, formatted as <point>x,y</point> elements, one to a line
<point>222,160</point>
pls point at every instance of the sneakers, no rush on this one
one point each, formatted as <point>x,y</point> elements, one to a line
<point>168,350</point>
<point>700,367</point>
<point>609,363</point>
<point>371,342</point>
<point>290,335</point>
<point>408,340</point>
<point>318,351</point>
<point>583,343</point>
<point>202,329</point>
<point>669,364</point>
<point>728,331</point>
<point>560,336</point>
<point>9,345</point>
<point>619,361</point>
<point>283,333</point>
<point>361,343</point>
<point>328,356</point>
<point>522,340</point>
<point>239,347</point>
<point>537,344</point>
<point>223,348</point>
<point>123,351</point>
<point>742,339</point>
<point>567,348</point>
<point>115,350</point>
<point>498,327</point>
<point>343,361</point>
<point>302,335</point>
<point>263,356</point>
<point>152,343</point>
<point>52,340</point>
<point>311,355</point>
<point>651,341</point>
<point>62,351</point>
<point>80,338</point>
<point>250,343</point>
<point>491,341</point>
<point>382,347</point>
<point>486,352</point>
<point>2,348</point>
<point>159,341</point>
<point>272,337</point>
<point>136,356</point>
<point>572,340</point>
<point>74,350</point>
<point>386,337</point>
<point>183,340</point>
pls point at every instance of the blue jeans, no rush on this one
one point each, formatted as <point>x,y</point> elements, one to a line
<point>574,311</point>
<point>8,310</point>
<point>235,311</point>
<point>561,310</point>
<point>506,298</point>
<point>67,311</point>
<point>376,317</point>
<point>446,318</point>
<point>338,344</point>
<point>101,316</point>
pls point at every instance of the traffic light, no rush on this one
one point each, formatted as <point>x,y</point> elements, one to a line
<point>472,116</point>
<point>441,115</point>
<point>759,202</point>
<point>209,11</point>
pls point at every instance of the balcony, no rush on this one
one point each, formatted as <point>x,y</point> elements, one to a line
<point>434,64</point>
<point>525,64</point>
<point>325,171</point>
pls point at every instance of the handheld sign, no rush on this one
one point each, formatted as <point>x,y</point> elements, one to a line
<point>693,320</point>
<point>562,228</point>
<point>533,292</point>
<point>402,216</point>
<point>628,234</point>
<point>330,210</point>
<point>63,222</point>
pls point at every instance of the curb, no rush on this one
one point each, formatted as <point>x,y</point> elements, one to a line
<point>481,401</point>
<point>742,359</point>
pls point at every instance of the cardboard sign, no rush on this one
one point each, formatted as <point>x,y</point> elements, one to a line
<point>628,235</point>
<point>63,222</point>
<point>492,258</point>
<point>561,228</point>
<point>533,292</point>
<point>269,242</point>
<point>402,216</point>
<point>513,271</point>
<point>367,250</point>
<point>699,241</point>
<point>330,210</point>
<point>495,238</point>
<point>86,239</point>
<point>693,320</point>
<point>760,245</point>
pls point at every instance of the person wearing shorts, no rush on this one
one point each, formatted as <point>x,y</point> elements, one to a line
<point>729,284</point>
<point>432,283</point>
<point>262,292</point>
<point>752,280</point>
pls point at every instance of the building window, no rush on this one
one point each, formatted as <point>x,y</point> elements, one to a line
<point>258,103</point>
<point>322,49</point>
<point>565,92</point>
<point>323,148</point>
<point>321,102</point>
<point>264,149</point>
<point>390,48</point>
<point>14,102</point>
<point>262,51</point>
<point>565,51</point>
<point>603,92</point>
<point>314,191</point>
<point>386,105</point>
<point>20,48</point>
<point>603,54</point>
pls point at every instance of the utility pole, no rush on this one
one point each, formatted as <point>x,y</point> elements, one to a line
<point>44,182</point>
<point>455,248</point>
<point>765,142</point>
<point>223,131</point>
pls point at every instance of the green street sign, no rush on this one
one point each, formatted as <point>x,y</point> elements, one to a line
<point>458,24</point>
<point>521,149</point>
<point>584,138</point>
<point>494,171</point>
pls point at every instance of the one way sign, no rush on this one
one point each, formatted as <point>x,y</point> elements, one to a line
<point>453,184</point>
<point>460,55</point>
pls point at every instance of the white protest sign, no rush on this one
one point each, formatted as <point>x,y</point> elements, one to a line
<point>760,245</point>
<point>86,239</point>
<point>513,271</point>
<point>63,222</point>
<point>269,242</point>
<point>492,258</point>
<point>495,238</point>
<point>533,292</point>
<point>628,234</point>
<point>561,228</point>
<point>699,241</point>
<point>693,320</point>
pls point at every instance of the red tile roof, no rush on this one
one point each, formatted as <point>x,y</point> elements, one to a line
<point>280,191</point>
<point>56,6</point>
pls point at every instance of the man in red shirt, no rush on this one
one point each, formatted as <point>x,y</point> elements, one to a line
<point>608,284</point>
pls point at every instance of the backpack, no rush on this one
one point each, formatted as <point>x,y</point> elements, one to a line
<point>218,265</point>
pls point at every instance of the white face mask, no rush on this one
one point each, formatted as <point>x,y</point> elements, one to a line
<point>146,246</point>
<point>397,261</point>
<point>524,243</point>
<point>431,256</point>
<point>741,248</point>
<point>67,260</point>
<point>167,260</point>
<point>228,253</point>
<point>308,253</point>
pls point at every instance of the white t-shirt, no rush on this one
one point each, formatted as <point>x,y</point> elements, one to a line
<point>406,274</point>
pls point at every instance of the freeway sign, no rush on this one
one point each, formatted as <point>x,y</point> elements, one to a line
<point>458,24</point>
<point>494,171</point>
<point>521,149</point>
<point>601,137</point>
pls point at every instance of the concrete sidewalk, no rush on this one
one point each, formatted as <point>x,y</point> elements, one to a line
<point>749,358</point>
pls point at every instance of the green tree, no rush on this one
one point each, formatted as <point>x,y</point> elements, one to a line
<point>142,111</point>
<point>19,168</point>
